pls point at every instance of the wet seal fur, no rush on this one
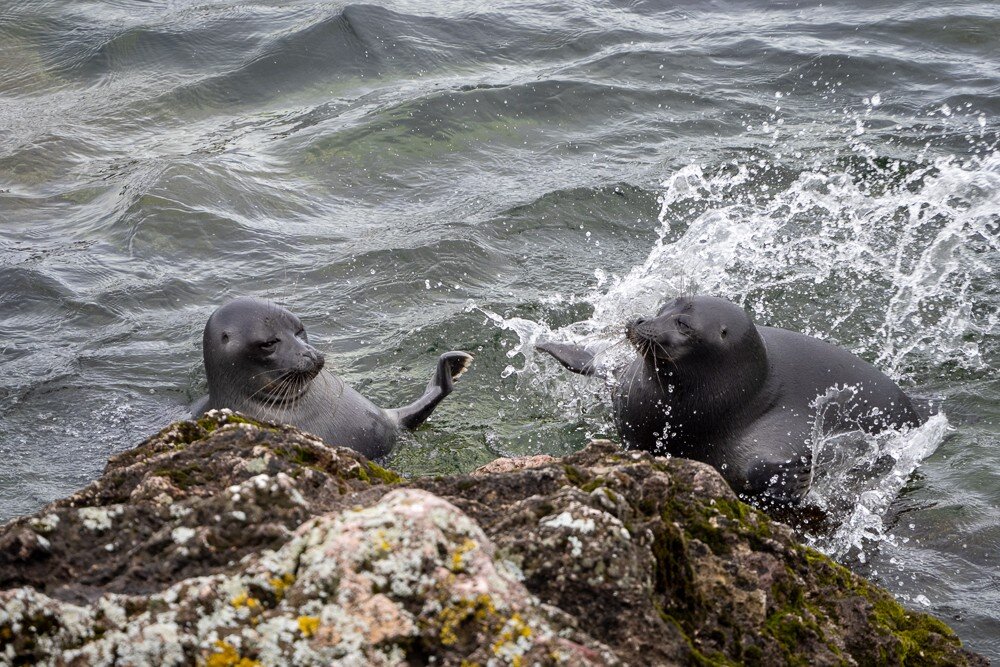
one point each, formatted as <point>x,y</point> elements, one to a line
<point>259,362</point>
<point>708,384</point>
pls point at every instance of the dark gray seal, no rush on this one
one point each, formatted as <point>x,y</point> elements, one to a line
<point>259,362</point>
<point>708,384</point>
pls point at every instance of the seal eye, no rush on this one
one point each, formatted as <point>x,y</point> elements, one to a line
<point>723,332</point>
<point>301,333</point>
<point>269,345</point>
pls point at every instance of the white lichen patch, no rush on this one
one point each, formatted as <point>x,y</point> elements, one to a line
<point>44,524</point>
<point>576,546</point>
<point>99,518</point>
<point>182,534</point>
<point>255,466</point>
<point>566,520</point>
<point>112,611</point>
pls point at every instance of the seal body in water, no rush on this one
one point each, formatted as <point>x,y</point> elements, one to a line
<point>708,384</point>
<point>259,362</point>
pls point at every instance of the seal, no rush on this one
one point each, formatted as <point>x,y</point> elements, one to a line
<point>259,362</point>
<point>708,384</point>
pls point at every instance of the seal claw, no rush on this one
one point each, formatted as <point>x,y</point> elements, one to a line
<point>458,363</point>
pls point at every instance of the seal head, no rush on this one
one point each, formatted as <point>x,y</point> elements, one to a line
<point>258,357</point>
<point>701,358</point>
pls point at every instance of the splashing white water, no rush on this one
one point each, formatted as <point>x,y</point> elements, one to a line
<point>886,262</point>
<point>891,274</point>
<point>863,474</point>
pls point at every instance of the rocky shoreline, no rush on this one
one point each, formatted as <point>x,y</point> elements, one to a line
<point>225,541</point>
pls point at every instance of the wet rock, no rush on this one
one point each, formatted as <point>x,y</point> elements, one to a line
<point>230,542</point>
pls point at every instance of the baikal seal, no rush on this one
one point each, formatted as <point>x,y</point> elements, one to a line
<point>710,385</point>
<point>259,362</point>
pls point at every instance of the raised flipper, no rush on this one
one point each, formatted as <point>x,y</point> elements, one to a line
<point>573,357</point>
<point>781,482</point>
<point>449,367</point>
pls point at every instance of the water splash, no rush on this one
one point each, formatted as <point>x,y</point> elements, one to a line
<point>884,256</point>
<point>888,266</point>
<point>862,475</point>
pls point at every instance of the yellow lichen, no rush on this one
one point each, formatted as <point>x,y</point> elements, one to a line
<point>485,607</point>
<point>383,544</point>
<point>281,584</point>
<point>481,609</point>
<point>244,600</point>
<point>308,625</point>
<point>458,558</point>
<point>506,645</point>
<point>227,656</point>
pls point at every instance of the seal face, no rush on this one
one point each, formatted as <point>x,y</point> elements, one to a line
<point>258,361</point>
<point>258,358</point>
<point>700,362</point>
<point>709,384</point>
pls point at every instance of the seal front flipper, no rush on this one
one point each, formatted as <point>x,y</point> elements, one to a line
<point>783,482</point>
<point>450,366</point>
<point>573,357</point>
<point>199,407</point>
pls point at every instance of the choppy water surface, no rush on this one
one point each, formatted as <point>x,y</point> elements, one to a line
<point>414,177</point>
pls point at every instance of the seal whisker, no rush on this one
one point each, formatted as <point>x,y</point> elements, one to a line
<point>666,354</point>
<point>637,368</point>
<point>268,390</point>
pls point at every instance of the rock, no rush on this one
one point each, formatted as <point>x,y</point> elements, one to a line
<point>366,587</point>
<point>508,465</point>
<point>231,542</point>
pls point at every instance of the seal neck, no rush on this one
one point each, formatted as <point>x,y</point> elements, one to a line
<point>717,391</point>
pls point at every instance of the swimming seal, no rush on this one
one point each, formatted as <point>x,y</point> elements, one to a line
<point>259,362</point>
<point>710,385</point>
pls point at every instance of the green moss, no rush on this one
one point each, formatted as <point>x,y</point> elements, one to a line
<point>672,575</point>
<point>575,476</point>
<point>752,656</point>
<point>382,474</point>
<point>827,572</point>
<point>699,526</point>
<point>697,657</point>
<point>734,509</point>
<point>371,473</point>
<point>214,423</point>
<point>299,455</point>
<point>183,477</point>
<point>923,640</point>
<point>791,631</point>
